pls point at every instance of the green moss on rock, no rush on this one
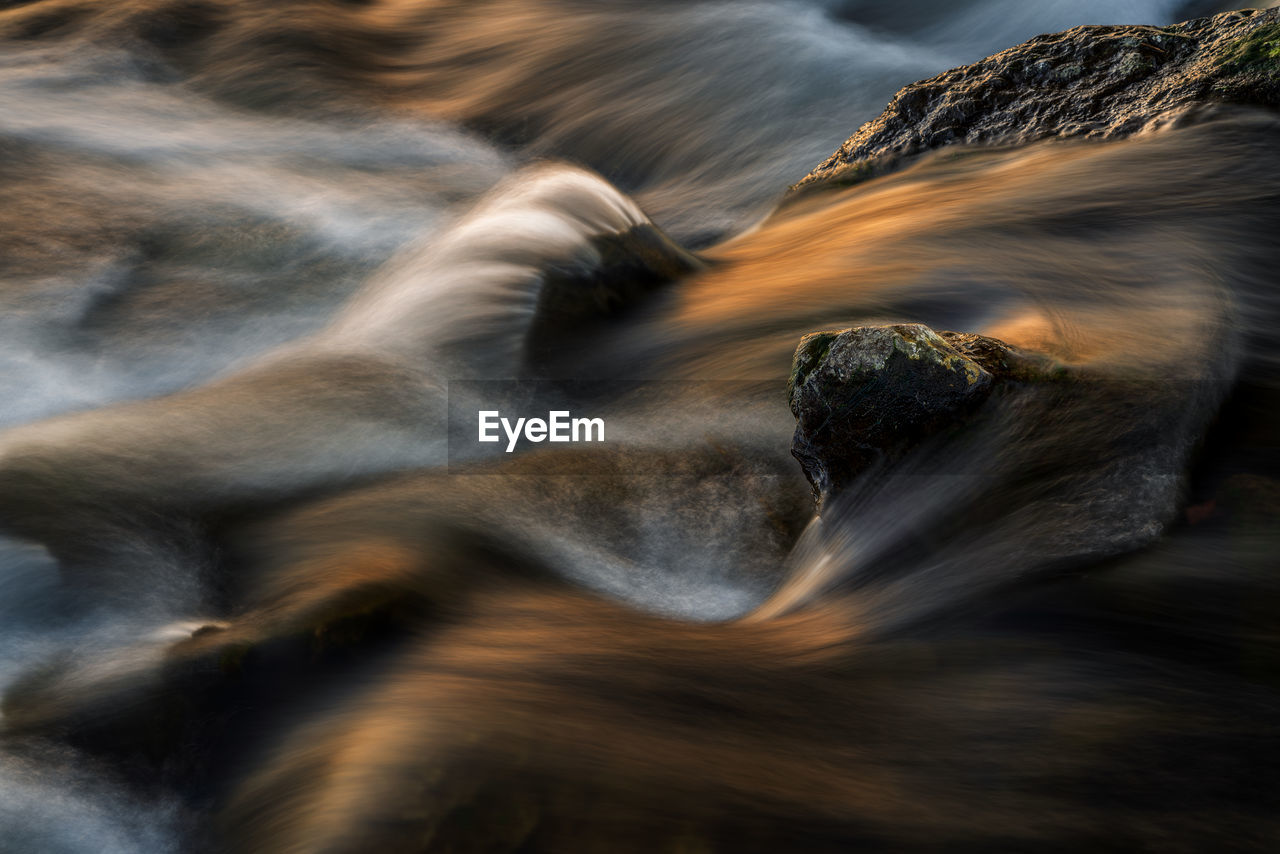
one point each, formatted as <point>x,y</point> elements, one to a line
<point>811,350</point>
<point>1258,51</point>
<point>1100,82</point>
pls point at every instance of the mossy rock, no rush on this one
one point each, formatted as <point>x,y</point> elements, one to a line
<point>869,394</point>
<point>1098,82</point>
<point>1258,51</point>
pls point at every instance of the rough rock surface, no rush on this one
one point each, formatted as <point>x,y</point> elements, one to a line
<point>1057,449</point>
<point>868,394</point>
<point>1101,82</point>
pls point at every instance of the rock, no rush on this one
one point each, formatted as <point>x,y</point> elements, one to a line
<point>1047,451</point>
<point>867,395</point>
<point>579,298</point>
<point>1101,82</point>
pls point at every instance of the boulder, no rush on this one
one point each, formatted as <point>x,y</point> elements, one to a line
<point>1063,462</point>
<point>1100,82</point>
<point>865,396</point>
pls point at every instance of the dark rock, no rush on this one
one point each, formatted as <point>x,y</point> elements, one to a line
<point>865,396</point>
<point>1101,82</point>
<point>1047,449</point>
<point>578,298</point>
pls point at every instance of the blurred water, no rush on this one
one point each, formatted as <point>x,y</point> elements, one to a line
<point>279,219</point>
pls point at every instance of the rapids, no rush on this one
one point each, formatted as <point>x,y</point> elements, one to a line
<point>258,259</point>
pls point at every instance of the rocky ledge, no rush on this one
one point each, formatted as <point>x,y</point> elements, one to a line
<point>1101,82</point>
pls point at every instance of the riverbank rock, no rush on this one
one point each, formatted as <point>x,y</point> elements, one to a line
<point>1101,82</point>
<point>865,396</point>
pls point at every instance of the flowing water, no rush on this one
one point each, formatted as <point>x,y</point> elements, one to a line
<point>260,265</point>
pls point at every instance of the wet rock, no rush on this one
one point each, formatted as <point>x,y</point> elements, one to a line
<point>579,298</point>
<point>1100,82</point>
<point>1076,462</point>
<point>865,396</point>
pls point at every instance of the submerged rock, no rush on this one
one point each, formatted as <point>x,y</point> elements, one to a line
<point>622,270</point>
<point>1101,82</point>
